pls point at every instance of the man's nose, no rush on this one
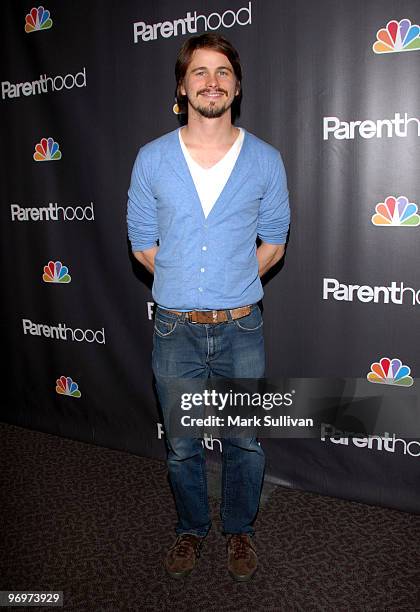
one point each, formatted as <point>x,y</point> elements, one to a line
<point>212,80</point>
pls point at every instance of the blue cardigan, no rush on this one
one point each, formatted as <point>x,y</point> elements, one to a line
<point>206,263</point>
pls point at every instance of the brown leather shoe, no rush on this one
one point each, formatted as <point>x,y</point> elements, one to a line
<point>182,556</point>
<point>242,558</point>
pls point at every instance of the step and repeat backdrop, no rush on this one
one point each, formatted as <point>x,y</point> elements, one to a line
<point>334,85</point>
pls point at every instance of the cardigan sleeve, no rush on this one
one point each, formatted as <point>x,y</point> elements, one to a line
<point>274,212</point>
<point>141,208</point>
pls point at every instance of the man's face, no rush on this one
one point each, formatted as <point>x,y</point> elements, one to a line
<point>210,83</point>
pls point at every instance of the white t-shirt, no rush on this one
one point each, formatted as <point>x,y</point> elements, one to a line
<point>209,182</point>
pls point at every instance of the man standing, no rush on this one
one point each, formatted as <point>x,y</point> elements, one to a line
<point>199,198</point>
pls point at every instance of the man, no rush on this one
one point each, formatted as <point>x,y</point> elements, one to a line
<point>204,193</point>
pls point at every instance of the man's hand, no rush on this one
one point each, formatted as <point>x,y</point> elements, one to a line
<point>147,258</point>
<point>268,255</point>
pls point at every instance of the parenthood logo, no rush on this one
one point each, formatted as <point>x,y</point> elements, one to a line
<point>386,442</point>
<point>62,332</point>
<point>45,84</point>
<point>208,441</point>
<point>191,23</point>
<point>150,309</point>
<point>52,212</point>
<point>394,293</point>
<point>381,128</point>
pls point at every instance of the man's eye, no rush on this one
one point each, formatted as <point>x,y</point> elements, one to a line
<point>200,73</point>
<point>223,72</point>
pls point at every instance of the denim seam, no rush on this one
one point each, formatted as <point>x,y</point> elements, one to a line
<point>249,329</point>
<point>226,501</point>
<point>238,324</point>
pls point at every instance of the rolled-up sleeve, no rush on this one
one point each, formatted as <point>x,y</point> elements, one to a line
<point>141,208</point>
<point>274,212</point>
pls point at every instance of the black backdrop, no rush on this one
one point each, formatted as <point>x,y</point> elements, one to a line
<point>106,95</point>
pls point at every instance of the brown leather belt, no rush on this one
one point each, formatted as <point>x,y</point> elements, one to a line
<point>214,316</point>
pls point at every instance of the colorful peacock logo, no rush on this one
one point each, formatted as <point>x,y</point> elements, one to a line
<point>37,19</point>
<point>66,386</point>
<point>396,212</point>
<point>55,272</point>
<point>390,372</point>
<point>47,150</point>
<point>398,36</point>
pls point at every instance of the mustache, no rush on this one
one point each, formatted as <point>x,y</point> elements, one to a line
<point>202,91</point>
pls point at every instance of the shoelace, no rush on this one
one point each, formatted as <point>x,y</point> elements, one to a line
<point>240,546</point>
<point>184,544</point>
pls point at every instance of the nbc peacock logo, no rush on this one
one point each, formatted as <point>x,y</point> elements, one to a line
<point>47,150</point>
<point>66,386</point>
<point>55,272</point>
<point>37,19</point>
<point>398,36</point>
<point>390,372</point>
<point>396,212</point>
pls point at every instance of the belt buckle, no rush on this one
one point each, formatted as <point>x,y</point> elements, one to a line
<point>214,315</point>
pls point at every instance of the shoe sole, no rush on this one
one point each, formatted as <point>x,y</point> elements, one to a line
<point>178,575</point>
<point>244,578</point>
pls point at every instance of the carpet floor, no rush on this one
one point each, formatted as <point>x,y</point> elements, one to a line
<point>96,523</point>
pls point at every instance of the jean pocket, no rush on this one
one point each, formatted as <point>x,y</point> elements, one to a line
<point>164,328</point>
<point>251,322</point>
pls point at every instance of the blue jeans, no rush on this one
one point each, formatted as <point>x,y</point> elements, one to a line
<point>234,349</point>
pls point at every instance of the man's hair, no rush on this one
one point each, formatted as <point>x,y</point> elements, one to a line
<point>209,40</point>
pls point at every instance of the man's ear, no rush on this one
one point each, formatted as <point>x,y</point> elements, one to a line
<point>182,89</point>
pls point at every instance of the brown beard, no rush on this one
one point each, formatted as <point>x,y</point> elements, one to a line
<point>211,112</point>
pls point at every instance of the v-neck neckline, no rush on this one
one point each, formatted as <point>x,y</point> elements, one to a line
<point>222,195</point>
<point>185,151</point>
